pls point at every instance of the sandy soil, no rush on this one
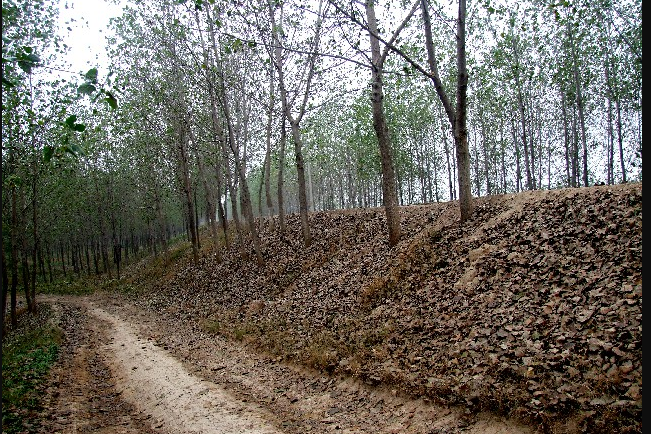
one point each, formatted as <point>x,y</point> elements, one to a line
<point>124,370</point>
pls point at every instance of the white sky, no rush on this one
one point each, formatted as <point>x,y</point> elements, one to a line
<point>87,37</point>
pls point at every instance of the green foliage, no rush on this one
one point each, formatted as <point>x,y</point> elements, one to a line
<point>90,88</point>
<point>71,286</point>
<point>27,355</point>
<point>71,122</point>
<point>86,89</point>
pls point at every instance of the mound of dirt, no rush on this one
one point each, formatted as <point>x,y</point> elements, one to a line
<point>532,309</point>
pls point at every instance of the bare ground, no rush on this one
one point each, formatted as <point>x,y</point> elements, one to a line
<point>125,370</point>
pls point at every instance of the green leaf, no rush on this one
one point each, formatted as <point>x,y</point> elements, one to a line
<point>27,62</point>
<point>79,127</point>
<point>70,121</point>
<point>111,100</point>
<point>13,181</point>
<point>86,89</point>
<point>8,83</point>
<point>91,75</point>
<point>48,152</point>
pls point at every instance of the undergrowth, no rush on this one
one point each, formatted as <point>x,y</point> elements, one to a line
<point>28,352</point>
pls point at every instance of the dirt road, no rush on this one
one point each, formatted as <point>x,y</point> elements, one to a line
<point>125,370</point>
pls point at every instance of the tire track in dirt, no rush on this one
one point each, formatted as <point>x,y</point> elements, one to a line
<point>168,377</point>
<point>81,396</point>
<point>159,385</point>
<point>298,400</point>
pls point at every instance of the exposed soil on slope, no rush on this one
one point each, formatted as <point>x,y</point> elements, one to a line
<point>531,310</point>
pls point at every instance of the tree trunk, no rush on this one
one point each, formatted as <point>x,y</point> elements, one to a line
<point>302,191</point>
<point>5,290</point>
<point>523,118</point>
<point>281,171</point>
<point>25,273</point>
<point>620,139</point>
<point>211,208</point>
<point>49,262</point>
<point>35,248</point>
<point>579,104</point>
<point>186,186</point>
<point>461,129</point>
<point>63,260</point>
<point>266,175</point>
<point>457,117</point>
<point>389,193</point>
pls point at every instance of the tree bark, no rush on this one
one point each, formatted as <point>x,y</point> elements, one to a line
<point>389,193</point>
<point>281,171</point>
<point>5,290</point>
<point>579,104</point>
<point>457,117</point>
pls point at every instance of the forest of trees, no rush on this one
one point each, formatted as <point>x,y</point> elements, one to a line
<point>217,112</point>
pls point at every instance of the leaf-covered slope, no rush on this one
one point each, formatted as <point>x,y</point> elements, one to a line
<point>532,309</point>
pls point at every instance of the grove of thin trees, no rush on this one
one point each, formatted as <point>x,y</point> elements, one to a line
<point>216,114</point>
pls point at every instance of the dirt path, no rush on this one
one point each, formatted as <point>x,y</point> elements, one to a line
<point>127,370</point>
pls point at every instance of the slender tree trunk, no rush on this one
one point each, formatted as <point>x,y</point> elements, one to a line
<point>245,194</point>
<point>63,260</point>
<point>95,254</point>
<point>35,247</point>
<point>610,147</point>
<point>266,176</point>
<point>523,121</point>
<point>281,171</point>
<point>448,164</point>
<point>485,151</point>
<point>620,140</point>
<point>14,265</point>
<point>182,148</point>
<point>575,151</point>
<point>219,131</point>
<point>49,262</point>
<point>389,193</point>
<point>579,104</point>
<point>210,204</point>
<point>456,116</point>
<point>221,213</point>
<point>461,128</point>
<point>197,224</point>
<point>41,265</point>
<point>5,290</point>
<point>302,191</point>
<point>298,150</point>
<point>86,249</point>
<point>25,273</point>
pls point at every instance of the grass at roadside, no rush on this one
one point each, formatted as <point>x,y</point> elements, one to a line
<point>28,352</point>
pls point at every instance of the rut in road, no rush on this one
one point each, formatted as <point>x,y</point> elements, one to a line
<point>167,376</point>
<point>159,385</point>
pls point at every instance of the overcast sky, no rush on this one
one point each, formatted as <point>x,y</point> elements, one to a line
<point>83,24</point>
